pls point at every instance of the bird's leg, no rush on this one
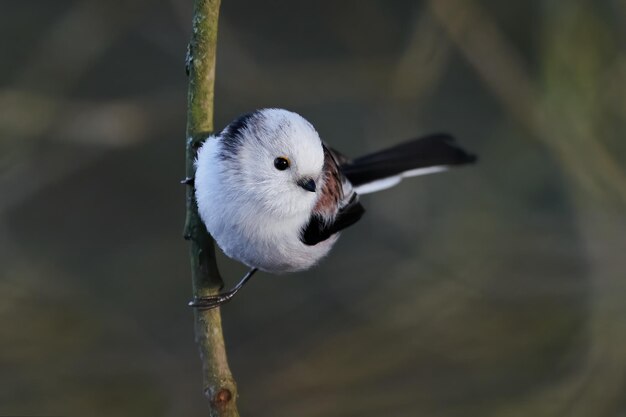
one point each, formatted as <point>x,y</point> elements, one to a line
<point>207,303</point>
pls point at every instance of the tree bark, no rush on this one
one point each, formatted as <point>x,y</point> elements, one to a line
<point>219,385</point>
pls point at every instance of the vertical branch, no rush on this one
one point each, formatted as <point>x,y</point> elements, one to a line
<point>219,386</point>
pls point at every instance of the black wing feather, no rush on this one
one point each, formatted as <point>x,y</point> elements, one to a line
<point>318,230</point>
<point>433,150</point>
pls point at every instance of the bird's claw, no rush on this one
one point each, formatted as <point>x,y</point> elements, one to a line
<point>208,303</point>
<point>213,301</point>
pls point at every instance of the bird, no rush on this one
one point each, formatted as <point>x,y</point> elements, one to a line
<point>276,198</point>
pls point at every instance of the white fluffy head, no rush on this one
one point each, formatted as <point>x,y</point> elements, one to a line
<point>249,148</point>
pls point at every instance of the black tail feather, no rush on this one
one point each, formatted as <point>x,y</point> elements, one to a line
<point>430,151</point>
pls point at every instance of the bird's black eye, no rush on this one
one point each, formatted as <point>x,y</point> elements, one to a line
<point>281,163</point>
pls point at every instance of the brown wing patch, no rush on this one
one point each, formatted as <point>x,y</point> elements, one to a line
<point>331,192</point>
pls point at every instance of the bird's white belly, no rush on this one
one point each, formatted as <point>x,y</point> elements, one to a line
<point>273,246</point>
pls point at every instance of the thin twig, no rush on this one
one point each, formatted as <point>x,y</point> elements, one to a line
<point>219,385</point>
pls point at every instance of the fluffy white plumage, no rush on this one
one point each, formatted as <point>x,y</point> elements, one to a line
<point>252,210</point>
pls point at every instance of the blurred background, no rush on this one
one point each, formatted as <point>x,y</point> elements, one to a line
<point>492,290</point>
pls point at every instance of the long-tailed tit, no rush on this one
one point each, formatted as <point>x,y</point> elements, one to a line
<point>275,197</point>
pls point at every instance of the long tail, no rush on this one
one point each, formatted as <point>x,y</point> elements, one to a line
<point>386,168</point>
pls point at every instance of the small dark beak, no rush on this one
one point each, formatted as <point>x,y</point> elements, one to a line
<point>307,183</point>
